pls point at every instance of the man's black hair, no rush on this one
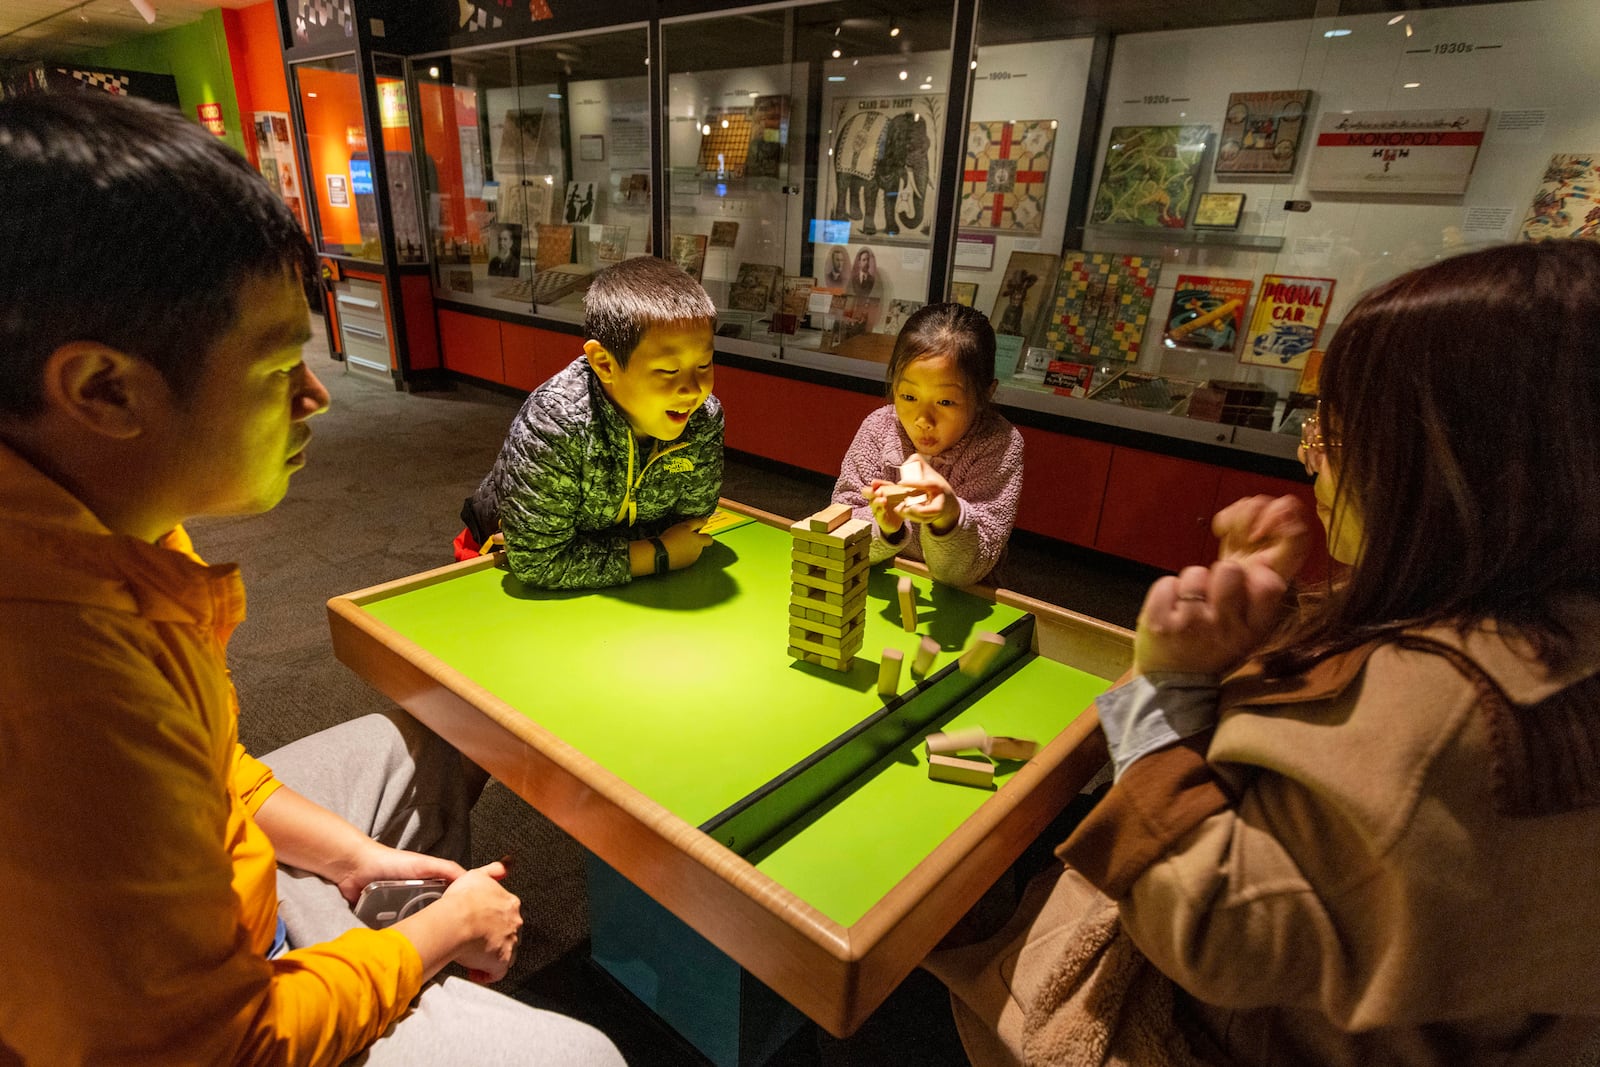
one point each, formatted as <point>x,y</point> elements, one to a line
<point>123,223</point>
<point>627,299</point>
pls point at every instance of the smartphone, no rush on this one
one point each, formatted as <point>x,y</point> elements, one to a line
<point>385,902</point>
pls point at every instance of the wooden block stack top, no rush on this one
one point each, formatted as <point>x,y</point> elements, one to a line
<point>828,591</point>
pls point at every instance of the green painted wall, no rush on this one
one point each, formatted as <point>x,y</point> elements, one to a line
<point>196,55</point>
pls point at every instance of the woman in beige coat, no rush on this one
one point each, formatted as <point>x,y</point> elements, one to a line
<point>1377,840</point>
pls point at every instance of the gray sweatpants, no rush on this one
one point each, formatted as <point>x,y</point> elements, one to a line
<point>396,780</point>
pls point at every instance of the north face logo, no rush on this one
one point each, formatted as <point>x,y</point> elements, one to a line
<point>679,464</point>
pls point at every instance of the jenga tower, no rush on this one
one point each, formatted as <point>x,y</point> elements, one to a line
<point>828,599</point>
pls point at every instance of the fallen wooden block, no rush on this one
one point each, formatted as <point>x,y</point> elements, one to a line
<point>962,770</point>
<point>976,659</point>
<point>1010,748</point>
<point>926,651</point>
<point>889,672</point>
<point>972,737</point>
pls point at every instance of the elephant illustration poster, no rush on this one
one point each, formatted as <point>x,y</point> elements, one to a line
<point>1008,167</point>
<point>885,159</point>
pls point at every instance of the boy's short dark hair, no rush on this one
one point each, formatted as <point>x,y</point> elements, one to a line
<point>126,224</point>
<point>948,330</point>
<point>628,298</point>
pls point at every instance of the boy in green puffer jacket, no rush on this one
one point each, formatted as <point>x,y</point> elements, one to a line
<point>613,465</point>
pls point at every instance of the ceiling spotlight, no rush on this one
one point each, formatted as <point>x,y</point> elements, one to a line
<point>1411,85</point>
<point>836,29</point>
<point>836,77</point>
<point>903,75</point>
<point>706,129</point>
<point>1409,31</point>
<point>894,28</point>
<point>1398,18</point>
<point>724,123</point>
<point>837,53</point>
<point>433,72</point>
<point>925,85</point>
<point>144,9</point>
<point>1335,33</point>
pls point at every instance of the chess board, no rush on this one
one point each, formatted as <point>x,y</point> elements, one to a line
<point>1102,305</point>
<point>1007,170</point>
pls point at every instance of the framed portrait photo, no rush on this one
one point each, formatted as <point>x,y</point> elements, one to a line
<point>1218,211</point>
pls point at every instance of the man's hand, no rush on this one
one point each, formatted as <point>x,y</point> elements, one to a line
<point>1272,531</point>
<point>476,924</point>
<point>1207,619</point>
<point>684,542</point>
<point>375,862</point>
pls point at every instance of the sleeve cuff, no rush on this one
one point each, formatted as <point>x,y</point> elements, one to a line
<point>1154,711</point>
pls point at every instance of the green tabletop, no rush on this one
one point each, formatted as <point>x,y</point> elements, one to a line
<point>682,687</point>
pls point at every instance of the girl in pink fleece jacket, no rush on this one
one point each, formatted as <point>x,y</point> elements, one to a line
<point>943,438</point>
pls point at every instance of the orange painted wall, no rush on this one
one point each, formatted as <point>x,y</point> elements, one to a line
<point>330,115</point>
<point>257,60</point>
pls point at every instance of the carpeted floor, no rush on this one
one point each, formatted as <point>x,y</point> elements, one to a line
<point>379,500</point>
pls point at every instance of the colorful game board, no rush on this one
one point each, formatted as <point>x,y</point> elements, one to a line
<point>723,151</point>
<point>1102,305</point>
<point>1007,170</point>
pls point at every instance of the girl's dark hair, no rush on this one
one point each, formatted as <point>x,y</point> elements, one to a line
<point>125,224</point>
<point>627,299</point>
<point>1466,400</point>
<point>948,330</point>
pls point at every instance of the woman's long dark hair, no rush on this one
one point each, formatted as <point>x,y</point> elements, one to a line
<point>1466,400</point>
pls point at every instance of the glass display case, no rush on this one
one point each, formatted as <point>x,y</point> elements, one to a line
<point>338,162</point>
<point>537,167</point>
<point>803,179</point>
<point>1248,180</point>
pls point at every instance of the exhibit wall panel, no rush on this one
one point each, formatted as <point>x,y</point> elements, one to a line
<point>1529,65</point>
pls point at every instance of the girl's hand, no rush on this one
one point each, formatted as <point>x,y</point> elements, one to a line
<point>940,508</point>
<point>1207,620</point>
<point>885,514</point>
<point>1271,531</point>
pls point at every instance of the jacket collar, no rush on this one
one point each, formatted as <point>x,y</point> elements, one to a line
<point>1249,686</point>
<point>54,549</point>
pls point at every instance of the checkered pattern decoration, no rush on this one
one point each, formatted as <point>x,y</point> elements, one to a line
<point>1102,305</point>
<point>725,149</point>
<point>115,84</point>
<point>475,17</point>
<point>313,17</point>
<point>1007,170</point>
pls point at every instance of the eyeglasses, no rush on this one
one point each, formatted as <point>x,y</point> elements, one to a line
<point>1314,446</point>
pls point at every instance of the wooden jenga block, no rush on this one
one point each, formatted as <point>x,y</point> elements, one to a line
<point>895,495</point>
<point>837,638</point>
<point>1010,748</point>
<point>827,601</point>
<point>835,628</point>
<point>926,651</point>
<point>829,518</point>
<point>851,534</point>
<point>908,605</point>
<point>827,646</point>
<point>976,659</point>
<point>842,586</point>
<point>962,770</point>
<point>946,743</point>
<point>889,672</point>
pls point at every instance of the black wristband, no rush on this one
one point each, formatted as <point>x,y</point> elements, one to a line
<point>663,561</point>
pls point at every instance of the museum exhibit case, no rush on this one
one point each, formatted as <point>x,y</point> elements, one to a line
<point>1165,211</point>
<point>542,157</point>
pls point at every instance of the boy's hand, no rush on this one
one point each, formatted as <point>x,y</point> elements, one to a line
<point>684,542</point>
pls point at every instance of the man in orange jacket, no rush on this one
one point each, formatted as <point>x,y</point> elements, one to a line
<point>152,312</point>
